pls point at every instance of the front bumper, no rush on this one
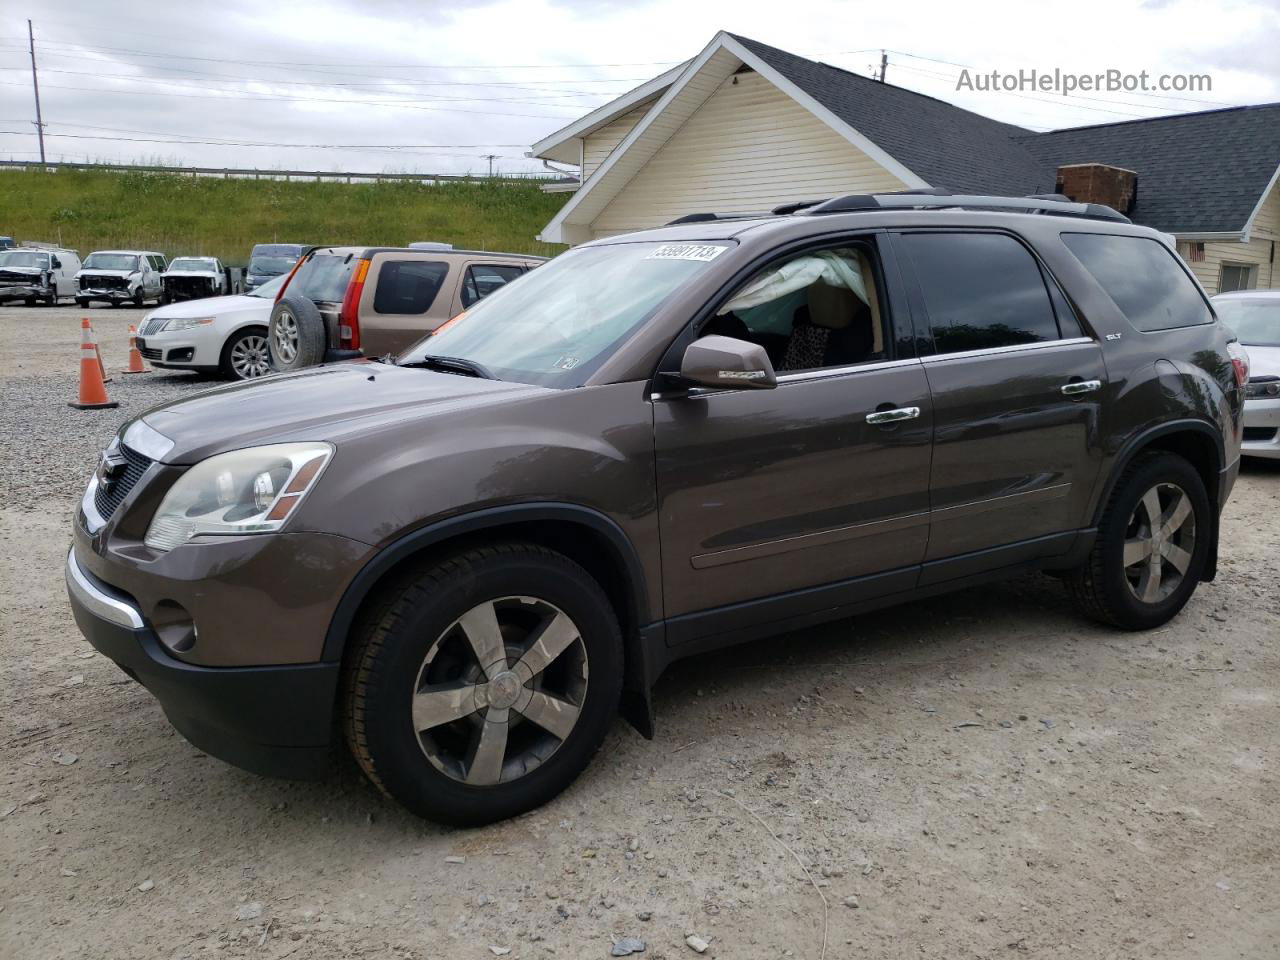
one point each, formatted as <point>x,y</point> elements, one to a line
<point>98,293</point>
<point>271,720</point>
<point>179,351</point>
<point>1262,429</point>
<point>24,292</point>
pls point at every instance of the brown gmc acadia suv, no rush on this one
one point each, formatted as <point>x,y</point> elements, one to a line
<point>466,560</point>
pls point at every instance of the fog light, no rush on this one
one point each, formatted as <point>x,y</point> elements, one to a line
<point>182,355</point>
<point>174,626</point>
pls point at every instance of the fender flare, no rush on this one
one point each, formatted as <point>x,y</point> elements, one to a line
<point>1134,445</point>
<point>478,521</point>
<point>1137,444</point>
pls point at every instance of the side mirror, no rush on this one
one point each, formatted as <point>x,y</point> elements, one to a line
<point>727,363</point>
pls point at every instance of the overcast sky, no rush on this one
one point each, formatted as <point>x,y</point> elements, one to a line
<point>451,81</point>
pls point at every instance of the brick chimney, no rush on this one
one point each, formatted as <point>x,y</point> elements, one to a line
<point>1098,183</point>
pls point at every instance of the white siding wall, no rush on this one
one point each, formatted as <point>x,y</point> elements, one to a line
<point>600,143</point>
<point>748,147</point>
<point>1258,251</point>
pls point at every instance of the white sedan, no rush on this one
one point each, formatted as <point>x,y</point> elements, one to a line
<point>221,335</point>
<point>1254,316</point>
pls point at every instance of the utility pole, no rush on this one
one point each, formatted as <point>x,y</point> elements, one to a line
<point>490,157</point>
<point>35,84</point>
<point>884,64</point>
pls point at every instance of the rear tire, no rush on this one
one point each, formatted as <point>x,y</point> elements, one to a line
<point>1152,546</point>
<point>297,334</point>
<point>514,736</point>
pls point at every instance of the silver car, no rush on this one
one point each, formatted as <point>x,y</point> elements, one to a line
<point>1254,315</point>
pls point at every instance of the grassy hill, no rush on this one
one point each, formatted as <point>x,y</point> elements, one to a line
<point>87,210</point>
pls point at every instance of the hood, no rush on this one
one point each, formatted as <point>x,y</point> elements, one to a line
<point>207,274</point>
<point>212,306</point>
<point>1263,361</point>
<point>92,272</point>
<point>23,271</point>
<point>321,403</point>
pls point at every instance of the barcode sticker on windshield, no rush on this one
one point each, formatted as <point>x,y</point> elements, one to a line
<point>702,252</point>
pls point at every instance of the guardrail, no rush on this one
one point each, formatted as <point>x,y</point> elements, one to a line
<point>258,174</point>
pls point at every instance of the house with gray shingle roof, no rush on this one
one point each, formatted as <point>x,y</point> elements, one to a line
<point>745,127</point>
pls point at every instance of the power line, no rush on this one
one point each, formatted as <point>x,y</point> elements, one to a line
<point>254,143</point>
<point>233,96</point>
<point>163,133</point>
<point>385,66</point>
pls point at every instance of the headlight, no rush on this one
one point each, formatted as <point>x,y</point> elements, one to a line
<point>185,323</point>
<point>1262,390</point>
<point>231,494</point>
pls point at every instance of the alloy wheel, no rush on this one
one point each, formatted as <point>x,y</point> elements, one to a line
<point>286,336</point>
<point>500,690</point>
<point>250,358</point>
<point>1160,541</point>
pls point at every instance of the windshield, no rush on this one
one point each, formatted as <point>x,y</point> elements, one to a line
<point>111,261</point>
<point>271,266</point>
<point>24,258</point>
<point>203,264</point>
<point>1255,322</point>
<point>555,325</point>
<point>269,289</point>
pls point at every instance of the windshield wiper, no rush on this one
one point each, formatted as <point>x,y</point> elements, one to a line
<point>452,365</point>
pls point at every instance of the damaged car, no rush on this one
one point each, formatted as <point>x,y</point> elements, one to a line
<point>191,278</point>
<point>120,276</point>
<point>38,275</point>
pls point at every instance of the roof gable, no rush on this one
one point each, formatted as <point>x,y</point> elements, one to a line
<point>945,144</point>
<point>1197,172</point>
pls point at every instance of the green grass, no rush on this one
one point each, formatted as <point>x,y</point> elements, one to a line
<point>175,214</point>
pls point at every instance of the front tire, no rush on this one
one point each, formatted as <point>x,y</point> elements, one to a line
<point>81,302</point>
<point>480,687</point>
<point>1152,546</point>
<point>246,355</point>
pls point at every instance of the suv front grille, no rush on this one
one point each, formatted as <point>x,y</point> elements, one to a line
<point>107,500</point>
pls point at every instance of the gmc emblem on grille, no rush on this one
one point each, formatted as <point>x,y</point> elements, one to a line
<point>111,469</point>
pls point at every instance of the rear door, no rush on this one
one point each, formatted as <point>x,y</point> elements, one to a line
<point>1016,386</point>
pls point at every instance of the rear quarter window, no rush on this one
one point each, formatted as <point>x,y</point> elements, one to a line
<point>408,286</point>
<point>1143,278</point>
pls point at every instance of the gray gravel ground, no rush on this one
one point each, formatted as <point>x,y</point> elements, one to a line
<point>984,775</point>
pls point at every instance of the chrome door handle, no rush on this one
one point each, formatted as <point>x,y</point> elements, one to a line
<point>1081,386</point>
<point>892,416</point>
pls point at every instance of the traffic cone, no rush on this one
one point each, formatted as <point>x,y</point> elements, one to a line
<point>102,367</point>
<point>93,395</point>
<point>135,358</point>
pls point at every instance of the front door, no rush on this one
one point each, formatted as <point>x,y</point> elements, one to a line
<point>1016,388</point>
<point>803,493</point>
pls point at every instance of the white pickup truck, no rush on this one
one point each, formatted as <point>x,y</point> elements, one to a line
<point>191,278</point>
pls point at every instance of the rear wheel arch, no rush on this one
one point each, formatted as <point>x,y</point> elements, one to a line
<point>1197,442</point>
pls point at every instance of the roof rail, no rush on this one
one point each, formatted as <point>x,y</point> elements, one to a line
<point>1054,205</point>
<point>709,217</point>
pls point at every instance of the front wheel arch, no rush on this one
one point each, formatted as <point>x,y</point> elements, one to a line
<point>586,536</point>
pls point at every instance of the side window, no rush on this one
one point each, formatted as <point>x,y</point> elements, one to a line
<point>982,290</point>
<point>408,286</point>
<point>484,278</point>
<point>1142,278</point>
<point>820,309</point>
<point>56,264</point>
<point>157,263</point>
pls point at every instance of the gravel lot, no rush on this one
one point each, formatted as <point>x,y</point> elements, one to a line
<point>981,775</point>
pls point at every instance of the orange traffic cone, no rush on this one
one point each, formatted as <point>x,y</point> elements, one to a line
<point>93,395</point>
<point>135,358</point>
<point>101,366</point>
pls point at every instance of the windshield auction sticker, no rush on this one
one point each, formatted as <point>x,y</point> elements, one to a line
<point>702,252</point>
